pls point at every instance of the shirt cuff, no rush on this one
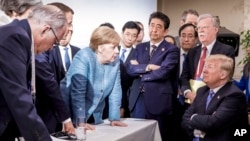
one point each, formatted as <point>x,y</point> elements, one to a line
<point>186,91</point>
<point>193,116</point>
<point>67,120</point>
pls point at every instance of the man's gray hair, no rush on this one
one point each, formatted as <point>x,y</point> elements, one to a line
<point>49,14</point>
<point>18,6</point>
<point>215,19</point>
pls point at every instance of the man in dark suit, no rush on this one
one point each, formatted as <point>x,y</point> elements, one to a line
<point>219,109</point>
<point>155,71</point>
<point>19,41</point>
<point>208,27</point>
<point>50,104</point>
<point>57,54</point>
<point>130,32</point>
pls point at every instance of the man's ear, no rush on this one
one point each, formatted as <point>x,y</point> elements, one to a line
<point>223,74</point>
<point>46,28</point>
<point>182,22</point>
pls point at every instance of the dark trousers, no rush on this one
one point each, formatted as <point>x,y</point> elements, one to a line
<point>166,126</point>
<point>179,109</point>
<point>11,132</point>
<point>139,111</point>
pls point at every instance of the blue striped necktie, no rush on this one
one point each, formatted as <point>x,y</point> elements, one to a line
<point>123,55</point>
<point>209,98</point>
<point>66,58</point>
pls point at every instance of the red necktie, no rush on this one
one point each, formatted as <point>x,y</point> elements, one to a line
<point>201,65</point>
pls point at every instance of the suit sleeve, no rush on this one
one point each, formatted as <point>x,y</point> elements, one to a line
<point>78,84</point>
<point>230,109</point>
<point>48,85</point>
<point>170,63</point>
<point>14,60</point>
<point>136,70</point>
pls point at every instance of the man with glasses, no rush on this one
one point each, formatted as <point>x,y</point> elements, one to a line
<point>207,27</point>
<point>19,41</point>
<point>188,16</point>
<point>188,38</point>
<point>61,55</point>
<point>50,104</point>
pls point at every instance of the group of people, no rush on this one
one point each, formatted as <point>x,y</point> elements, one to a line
<point>49,83</point>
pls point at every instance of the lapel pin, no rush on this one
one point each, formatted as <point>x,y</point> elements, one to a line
<point>163,49</point>
<point>218,97</point>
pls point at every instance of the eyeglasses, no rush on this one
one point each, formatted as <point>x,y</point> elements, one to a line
<point>187,37</point>
<point>57,41</point>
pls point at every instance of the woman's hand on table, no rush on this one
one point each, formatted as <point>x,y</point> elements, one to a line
<point>118,123</point>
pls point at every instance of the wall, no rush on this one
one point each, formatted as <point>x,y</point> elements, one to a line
<point>233,15</point>
<point>89,14</point>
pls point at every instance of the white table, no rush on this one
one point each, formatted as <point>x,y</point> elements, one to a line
<point>137,130</point>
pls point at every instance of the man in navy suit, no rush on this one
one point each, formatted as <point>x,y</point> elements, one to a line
<point>50,104</point>
<point>57,54</point>
<point>19,41</point>
<point>220,108</point>
<point>207,27</point>
<point>130,32</point>
<point>155,71</point>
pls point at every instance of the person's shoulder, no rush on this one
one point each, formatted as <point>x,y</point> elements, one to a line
<point>75,47</point>
<point>86,51</point>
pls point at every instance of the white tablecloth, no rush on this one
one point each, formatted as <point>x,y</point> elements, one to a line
<point>137,130</point>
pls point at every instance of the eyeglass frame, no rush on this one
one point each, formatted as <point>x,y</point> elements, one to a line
<point>57,40</point>
<point>187,37</point>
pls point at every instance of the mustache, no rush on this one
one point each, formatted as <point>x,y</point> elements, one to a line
<point>202,34</point>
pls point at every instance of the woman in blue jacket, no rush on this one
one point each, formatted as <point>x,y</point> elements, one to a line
<point>93,75</point>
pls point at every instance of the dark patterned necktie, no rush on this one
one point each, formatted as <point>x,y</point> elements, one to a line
<point>153,50</point>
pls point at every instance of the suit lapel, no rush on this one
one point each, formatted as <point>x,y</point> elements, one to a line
<point>129,56</point>
<point>197,57</point>
<point>217,98</point>
<point>58,59</point>
<point>215,48</point>
<point>160,49</point>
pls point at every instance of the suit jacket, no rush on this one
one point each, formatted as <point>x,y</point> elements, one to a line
<point>244,81</point>
<point>126,80</point>
<point>49,102</point>
<point>226,112</point>
<point>160,86</point>
<point>16,103</point>
<point>88,83</point>
<point>192,60</point>
<point>56,63</point>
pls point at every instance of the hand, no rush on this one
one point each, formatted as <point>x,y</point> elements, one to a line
<point>190,96</point>
<point>153,67</point>
<point>134,62</point>
<point>90,127</point>
<point>118,123</point>
<point>68,128</point>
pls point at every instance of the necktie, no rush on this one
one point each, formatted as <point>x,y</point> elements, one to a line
<point>66,58</point>
<point>153,50</point>
<point>184,58</point>
<point>201,61</point>
<point>209,98</point>
<point>123,55</point>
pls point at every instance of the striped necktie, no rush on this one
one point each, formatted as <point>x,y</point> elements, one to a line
<point>66,58</point>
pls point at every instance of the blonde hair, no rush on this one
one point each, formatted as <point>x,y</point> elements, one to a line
<point>225,63</point>
<point>104,35</point>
